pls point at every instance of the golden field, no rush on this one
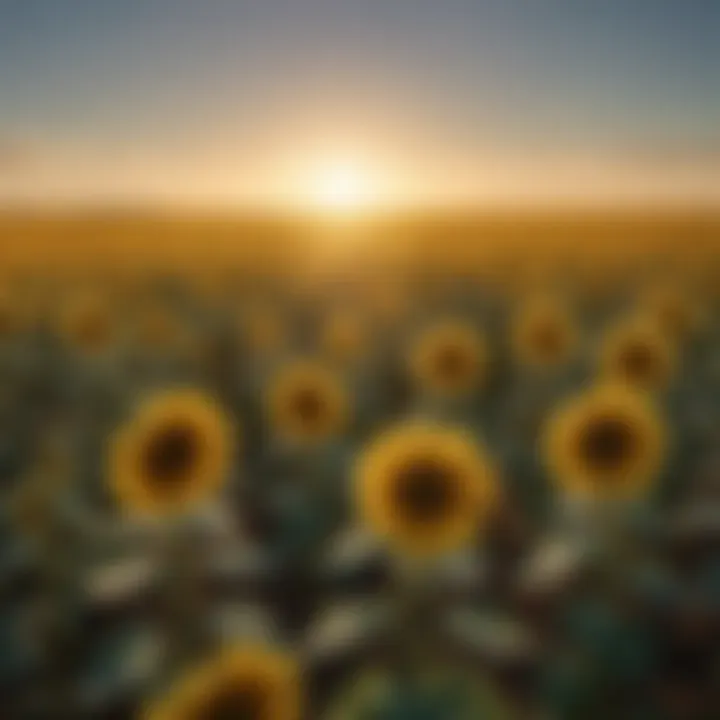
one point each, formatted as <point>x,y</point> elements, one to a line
<point>128,240</point>
<point>343,467</point>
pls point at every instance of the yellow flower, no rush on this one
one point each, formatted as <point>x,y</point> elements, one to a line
<point>673,308</point>
<point>156,327</point>
<point>544,333</point>
<point>175,452</point>
<point>426,488</point>
<point>307,403</point>
<point>608,442</point>
<point>244,682</point>
<point>449,358</point>
<point>635,351</point>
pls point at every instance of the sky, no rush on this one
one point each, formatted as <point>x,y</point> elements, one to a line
<point>452,101</point>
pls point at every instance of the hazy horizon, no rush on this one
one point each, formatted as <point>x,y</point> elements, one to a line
<point>460,103</point>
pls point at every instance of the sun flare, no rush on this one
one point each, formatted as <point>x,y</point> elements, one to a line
<point>342,187</point>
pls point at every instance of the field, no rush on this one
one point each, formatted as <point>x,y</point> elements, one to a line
<point>166,240</point>
<point>435,466</point>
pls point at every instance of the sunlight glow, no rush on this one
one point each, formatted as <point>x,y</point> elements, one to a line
<point>343,187</point>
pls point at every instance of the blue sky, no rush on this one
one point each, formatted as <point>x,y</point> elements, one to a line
<point>179,87</point>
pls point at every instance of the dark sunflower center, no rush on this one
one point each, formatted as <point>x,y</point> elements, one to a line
<point>308,405</point>
<point>171,454</point>
<point>638,361</point>
<point>452,362</point>
<point>425,491</point>
<point>608,443</point>
<point>246,701</point>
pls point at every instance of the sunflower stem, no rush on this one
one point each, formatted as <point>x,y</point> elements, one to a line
<point>413,597</point>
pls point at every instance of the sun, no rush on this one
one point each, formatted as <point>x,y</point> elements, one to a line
<point>342,187</point>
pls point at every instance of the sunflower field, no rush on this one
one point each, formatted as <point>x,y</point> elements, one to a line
<point>370,474</point>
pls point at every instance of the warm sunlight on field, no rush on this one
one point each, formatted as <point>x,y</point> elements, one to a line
<point>395,240</point>
<point>325,418</point>
<point>359,360</point>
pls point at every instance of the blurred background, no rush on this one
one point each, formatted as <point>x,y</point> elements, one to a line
<point>359,360</point>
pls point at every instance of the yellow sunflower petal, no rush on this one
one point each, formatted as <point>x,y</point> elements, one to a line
<point>175,452</point>
<point>250,682</point>
<point>307,403</point>
<point>426,488</point>
<point>609,442</point>
<point>449,358</point>
<point>635,351</point>
<point>544,333</point>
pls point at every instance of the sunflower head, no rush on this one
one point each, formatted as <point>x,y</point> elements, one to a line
<point>172,454</point>
<point>608,442</point>
<point>673,309</point>
<point>87,325</point>
<point>157,327</point>
<point>243,683</point>
<point>638,353</point>
<point>426,488</point>
<point>307,403</point>
<point>544,333</point>
<point>449,358</point>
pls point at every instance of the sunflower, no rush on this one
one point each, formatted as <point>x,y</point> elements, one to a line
<point>157,327</point>
<point>609,441</point>
<point>427,488</point>
<point>636,352</point>
<point>175,452</point>
<point>673,308</point>
<point>245,682</point>
<point>449,358</point>
<point>86,323</point>
<point>344,336</point>
<point>307,403</point>
<point>544,333</point>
